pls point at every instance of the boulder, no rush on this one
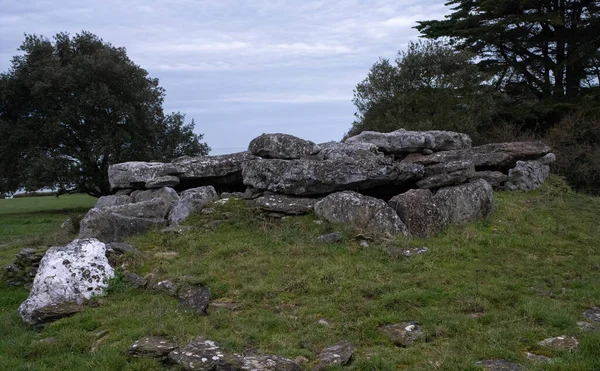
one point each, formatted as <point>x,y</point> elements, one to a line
<point>166,193</point>
<point>224,170</point>
<point>112,227</point>
<point>503,156</point>
<point>446,179</point>
<point>439,157</point>
<point>67,277</point>
<point>548,159</point>
<point>309,177</point>
<point>285,204</point>
<point>526,176</point>
<point>195,299</point>
<point>404,141</point>
<point>337,355</point>
<point>466,202</point>
<point>342,150</point>
<point>162,181</point>
<point>191,201</point>
<point>282,146</point>
<point>495,178</point>
<point>137,174</point>
<point>152,346</point>
<point>153,208</point>
<point>361,212</point>
<point>419,212</point>
<point>109,201</point>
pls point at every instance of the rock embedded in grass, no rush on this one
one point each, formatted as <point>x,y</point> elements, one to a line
<point>332,237</point>
<point>593,314</point>
<point>196,299</point>
<point>336,355</point>
<point>152,346</point>
<point>562,342</point>
<point>403,334</point>
<point>498,365</point>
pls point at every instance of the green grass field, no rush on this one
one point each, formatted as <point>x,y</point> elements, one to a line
<point>528,273</point>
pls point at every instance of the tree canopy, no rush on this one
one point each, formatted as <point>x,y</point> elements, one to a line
<point>71,107</point>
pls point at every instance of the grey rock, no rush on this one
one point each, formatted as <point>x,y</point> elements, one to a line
<point>585,326</point>
<point>108,201</point>
<point>362,212</point>
<point>282,146</point>
<point>177,229</point>
<point>203,355</point>
<point>593,314</point>
<point>330,237</point>
<point>152,346</point>
<point>120,248</point>
<point>192,200</point>
<point>446,179</point>
<point>266,363</point>
<point>162,181</point>
<point>419,212</point>
<point>308,177</point>
<point>403,334</point>
<point>213,170</point>
<point>169,195</point>
<point>341,151</point>
<point>404,141</point>
<point>196,299</point>
<point>448,167</point>
<point>285,204</point>
<point>526,176</point>
<point>441,157</point>
<point>466,202</point>
<point>123,192</point>
<point>562,342</point>
<point>495,178</point>
<point>112,227</point>
<point>137,174</point>
<point>548,159</point>
<point>213,224</point>
<point>537,357</point>
<point>166,286</point>
<point>134,279</point>
<point>25,266</point>
<point>337,355</point>
<point>154,208</point>
<point>323,322</point>
<point>497,156</point>
<point>498,365</point>
<point>406,253</point>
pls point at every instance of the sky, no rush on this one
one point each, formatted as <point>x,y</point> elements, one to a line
<point>239,68</point>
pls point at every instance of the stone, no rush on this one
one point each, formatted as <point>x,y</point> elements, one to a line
<point>404,141</point>
<point>446,179</point>
<point>337,355</point>
<point>137,174</point>
<point>310,177</point>
<point>495,178</point>
<point>403,334</point>
<point>202,355</point>
<point>323,322</point>
<point>362,212</point>
<point>406,253</point>
<point>562,342</point>
<point>526,176</point>
<point>153,347</point>
<point>282,146</point>
<point>593,314</point>
<point>124,192</point>
<point>177,229</point>
<point>441,157</point>
<point>223,170</point>
<point>448,167</point>
<point>266,363</point>
<point>503,156</point>
<point>156,208</point>
<point>169,195</point>
<point>547,159</point>
<point>134,279</point>
<point>332,237</point>
<point>120,248</point>
<point>585,326</point>
<point>167,286</point>
<point>191,201</point>
<point>195,299</point>
<point>108,201</point>
<point>162,181</point>
<point>223,304</point>
<point>67,277</point>
<point>285,204</point>
<point>213,224</point>
<point>112,227</point>
<point>25,267</point>
<point>537,357</point>
<point>418,211</point>
<point>342,151</point>
<point>466,202</point>
<point>498,365</point>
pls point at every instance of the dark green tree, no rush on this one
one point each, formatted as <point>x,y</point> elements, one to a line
<point>71,107</point>
<point>430,86</point>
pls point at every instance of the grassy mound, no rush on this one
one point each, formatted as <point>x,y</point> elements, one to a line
<point>490,290</point>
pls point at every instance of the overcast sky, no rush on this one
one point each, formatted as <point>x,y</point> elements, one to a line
<point>239,68</point>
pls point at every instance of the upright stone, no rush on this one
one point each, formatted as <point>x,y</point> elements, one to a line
<point>191,201</point>
<point>466,202</point>
<point>526,176</point>
<point>419,212</point>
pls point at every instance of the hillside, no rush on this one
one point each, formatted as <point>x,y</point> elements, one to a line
<point>489,290</point>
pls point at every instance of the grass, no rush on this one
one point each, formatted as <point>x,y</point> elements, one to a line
<point>528,272</point>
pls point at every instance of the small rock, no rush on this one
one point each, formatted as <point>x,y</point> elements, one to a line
<point>323,322</point>
<point>562,342</point>
<point>586,326</point>
<point>152,346</point>
<point>337,355</point>
<point>195,299</point>
<point>208,211</point>
<point>593,314</point>
<point>364,243</point>
<point>537,357</point>
<point>498,365</point>
<point>403,334</point>
<point>167,286</point>
<point>134,279</point>
<point>301,360</point>
<point>214,224</point>
<point>406,253</point>
<point>177,229</point>
<point>330,237</point>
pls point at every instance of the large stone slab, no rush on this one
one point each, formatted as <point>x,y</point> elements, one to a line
<point>418,211</point>
<point>137,174</point>
<point>192,201</point>
<point>404,141</point>
<point>108,226</point>
<point>283,146</point>
<point>496,156</point>
<point>495,178</point>
<point>362,212</point>
<point>285,204</point>
<point>526,176</point>
<point>223,170</point>
<point>466,202</point>
<point>342,150</point>
<point>308,177</point>
<point>67,276</point>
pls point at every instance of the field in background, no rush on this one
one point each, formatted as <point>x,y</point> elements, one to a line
<point>488,290</point>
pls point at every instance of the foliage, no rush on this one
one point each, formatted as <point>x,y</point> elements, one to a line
<point>431,86</point>
<point>488,290</point>
<point>71,107</point>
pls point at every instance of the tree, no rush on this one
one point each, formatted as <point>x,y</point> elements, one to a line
<point>431,86</point>
<point>72,107</point>
<point>550,47</point>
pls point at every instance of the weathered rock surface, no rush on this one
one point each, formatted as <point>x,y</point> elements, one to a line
<point>282,146</point>
<point>285,204</point>
<point>403,334</point>
<point>109,201</point>
<point>191,201</point>
<point>223,170</point>
<point>332,237</point>
<point>337,355</point>
<point>362,212</point>
<point>108,226</point>
<point>466,202</point>
<point>498,365</point>
<point>526,176</point>
<point>495,178</point>
<point>67,276</point>
<point>505,155</point>
<point>308,177</point>
<point>439,157</point>
<point>152,346</point>
<point>404,141</point>
<point>266,363</point>
<point>195,299</point>
<point>418,211</point>
<point>562,342</point>
<point>446,179</point>
<point>135,175</point>
<point>547,159</point>
<point>341,151</point>
<point>23,270</point>
<point>169,195</point>
<point>593,314</point>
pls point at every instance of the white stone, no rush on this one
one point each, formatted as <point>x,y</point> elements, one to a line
<point>72,273</point>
